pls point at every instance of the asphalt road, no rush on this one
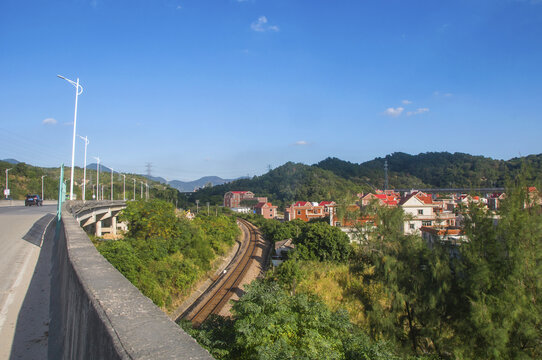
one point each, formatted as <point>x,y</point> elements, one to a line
<point>24,281</point>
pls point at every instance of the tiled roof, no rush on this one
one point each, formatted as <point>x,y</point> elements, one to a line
<point>324,203</point>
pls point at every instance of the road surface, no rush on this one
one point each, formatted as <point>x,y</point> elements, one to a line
<point>24,281</point>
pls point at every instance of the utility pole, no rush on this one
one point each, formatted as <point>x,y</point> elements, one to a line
<point>149,167</point>
<point>42,197</point>
<point>386,175</point>
<point>85,139</point>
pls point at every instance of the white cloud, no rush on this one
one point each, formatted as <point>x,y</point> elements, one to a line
<point>179,7</point>
<point>301,143</point>
<point>49,121</point>
<point>394,111</point>
<point>406,102</point>
<point>261,25</point>
<point>438,93</point>
<point>418,111</point>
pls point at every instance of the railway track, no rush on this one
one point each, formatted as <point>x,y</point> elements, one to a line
<point>224,287</point>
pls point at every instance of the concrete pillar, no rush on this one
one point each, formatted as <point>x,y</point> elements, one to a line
<point>114,225</point>
<point>99,228</point>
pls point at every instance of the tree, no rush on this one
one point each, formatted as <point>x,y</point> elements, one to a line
<point>320,241</point>
<point>499,277</point>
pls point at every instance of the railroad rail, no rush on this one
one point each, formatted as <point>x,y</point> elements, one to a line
<point>223,288</point>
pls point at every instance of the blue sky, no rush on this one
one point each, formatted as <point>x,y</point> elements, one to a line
<point>229,87</point>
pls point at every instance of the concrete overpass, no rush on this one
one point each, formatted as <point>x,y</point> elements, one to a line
<point>99,217</point>
<point>94,312</point>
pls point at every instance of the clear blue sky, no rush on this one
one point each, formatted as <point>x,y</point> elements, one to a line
<point>229,87</point>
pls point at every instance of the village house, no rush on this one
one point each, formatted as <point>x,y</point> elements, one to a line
<point>281,251</point>
<point>303,210</point>
<point>234,199</point>
<point>266,209</point>
<point>306,211</point>
<point>421,211</point>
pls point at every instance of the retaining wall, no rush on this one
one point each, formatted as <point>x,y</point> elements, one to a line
<point>97,314</point>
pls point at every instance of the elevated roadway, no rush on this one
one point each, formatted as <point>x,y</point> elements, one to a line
<point>24,281</point>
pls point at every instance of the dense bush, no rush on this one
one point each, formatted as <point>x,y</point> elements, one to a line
<point>164,255</point>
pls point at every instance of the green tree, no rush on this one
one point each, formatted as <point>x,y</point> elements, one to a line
<point>499,276</point>
<point>320,241</point>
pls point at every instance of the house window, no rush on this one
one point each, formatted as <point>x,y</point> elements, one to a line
<point>298,212</point>
<point>426,223</point>
<point>420,212</point>
<point>411,226</point>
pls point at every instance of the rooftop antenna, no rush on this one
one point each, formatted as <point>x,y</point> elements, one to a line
<point>386,175</point>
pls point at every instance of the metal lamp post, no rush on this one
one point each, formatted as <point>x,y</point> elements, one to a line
<point>134,188</point>
<point>141,190</point>
<point>124,187</point>
<point>7,183</point>
<point>78,91</point>
<point>97,179</point>
<point>85,139</point>
<point>112,184</point>
<point>42,197</point>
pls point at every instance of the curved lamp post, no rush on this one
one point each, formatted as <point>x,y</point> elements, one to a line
<point>78,91</point>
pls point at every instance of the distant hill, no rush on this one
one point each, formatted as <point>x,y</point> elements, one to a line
<point>27,179</point>
<point>434,169</point>
<point>285,184</point>
<point>335,179</point>
<point>94,167</point>
<point>11,161</point>
<point>187,186</point>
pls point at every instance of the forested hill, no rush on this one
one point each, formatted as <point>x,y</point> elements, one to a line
<point>287,183</point>
<point>435,169</point>
<point>335,179</point>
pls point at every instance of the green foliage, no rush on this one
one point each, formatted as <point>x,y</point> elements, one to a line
<point>320,241</point>
<point>435,169</point>
<point>499,307</point>
<point>164,255</point>
<point>268,323</point>
<point>26,179</point>
<point>286,184</point>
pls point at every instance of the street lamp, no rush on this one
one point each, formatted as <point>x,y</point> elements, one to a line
<point>85,139</point>
<point>134,187</point>
<point>78,91</point>
<point>7,184</point>
<point>124,187</point>
<point>141,190</point>
<point>42,186</point>
<point>111,184</point>
<point>97,178</point>
<point>147,188</point>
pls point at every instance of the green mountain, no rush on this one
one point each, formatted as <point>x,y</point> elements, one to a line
<point>286,184</point>
<point>335,179</point>
<point>435,170</point>
<point>27,179</point>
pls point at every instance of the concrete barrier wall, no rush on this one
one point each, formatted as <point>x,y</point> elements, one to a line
<point>97,314</point>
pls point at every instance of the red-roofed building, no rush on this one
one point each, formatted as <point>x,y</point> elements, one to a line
<point>304,210</point>
<point>232,199</point>
<point>266,209</point>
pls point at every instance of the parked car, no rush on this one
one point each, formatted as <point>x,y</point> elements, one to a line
<point>33,200</point>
